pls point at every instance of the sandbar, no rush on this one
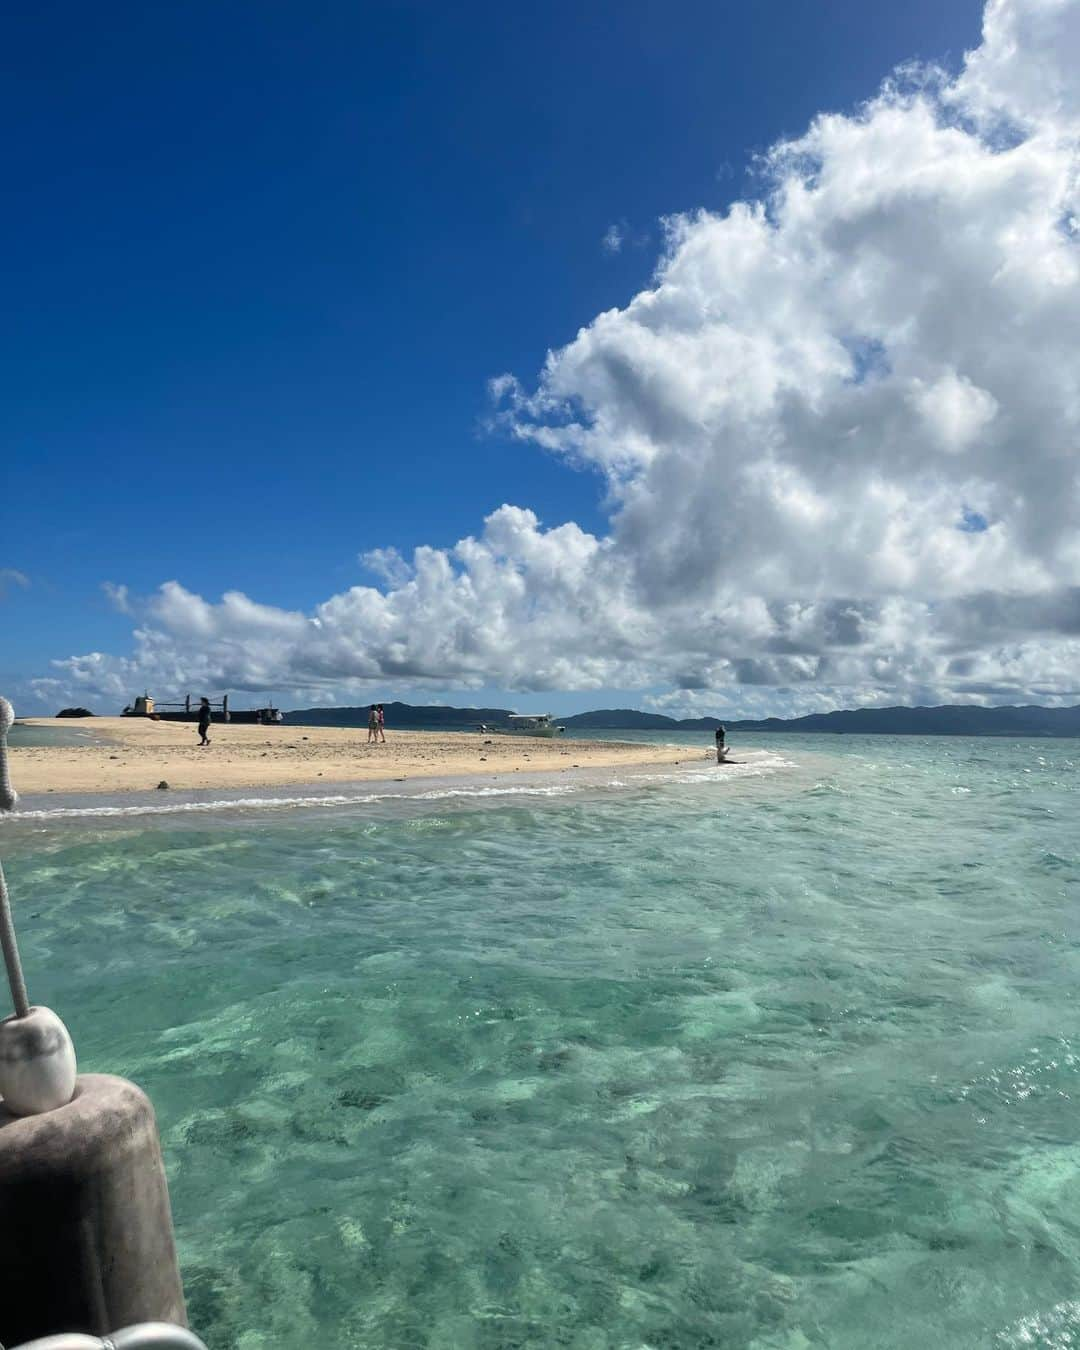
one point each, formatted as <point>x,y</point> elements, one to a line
<point>126,754</point>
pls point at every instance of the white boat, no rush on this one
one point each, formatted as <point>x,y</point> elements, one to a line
<point>533,724</point>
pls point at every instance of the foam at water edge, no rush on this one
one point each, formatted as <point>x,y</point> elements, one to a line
<point>768,763</point>
<point>265,803</point>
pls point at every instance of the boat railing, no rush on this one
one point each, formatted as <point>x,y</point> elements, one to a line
<point>192,706</point>
<point>143,1336</point>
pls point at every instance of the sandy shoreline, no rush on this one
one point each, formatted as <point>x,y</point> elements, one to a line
<point>133,755</point>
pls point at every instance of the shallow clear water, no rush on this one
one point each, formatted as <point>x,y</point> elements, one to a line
<point>779,1058</point>
<point>77,734</point>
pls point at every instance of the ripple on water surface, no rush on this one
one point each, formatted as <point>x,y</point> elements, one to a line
<point>787,1064</point>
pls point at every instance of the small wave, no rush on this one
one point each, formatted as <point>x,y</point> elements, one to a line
<point>759,767</point>
<point>556,790</point>
<point>226,804</point>
<point>1057,1329</point>
<point>267,803</point>
<point>710,773</point>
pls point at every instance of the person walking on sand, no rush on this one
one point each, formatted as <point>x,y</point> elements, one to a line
<point>373,725</point>
<point>721,748</point>
<point>382,723</point>
<point>204,720</point>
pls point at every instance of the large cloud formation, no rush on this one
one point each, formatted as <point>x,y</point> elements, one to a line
<point>839,436</point>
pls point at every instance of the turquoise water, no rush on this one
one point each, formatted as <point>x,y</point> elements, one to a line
<point>79,733</point>
<point>777,1057</point>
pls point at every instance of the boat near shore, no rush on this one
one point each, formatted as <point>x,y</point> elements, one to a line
<point>532,724</point>
<point>188,711</point>
<point>523,724</point>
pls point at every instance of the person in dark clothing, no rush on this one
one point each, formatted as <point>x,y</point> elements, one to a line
<point>204,720</point>
<point>721,748</point>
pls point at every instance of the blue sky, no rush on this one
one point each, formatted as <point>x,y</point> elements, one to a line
<point>263,260</point>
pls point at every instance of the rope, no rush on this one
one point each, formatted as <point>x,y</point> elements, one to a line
<point>8,798</point>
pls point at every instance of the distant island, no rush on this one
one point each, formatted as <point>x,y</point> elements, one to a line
<point>949,720</point>
<point>952,719</point>
<point>408,716</point>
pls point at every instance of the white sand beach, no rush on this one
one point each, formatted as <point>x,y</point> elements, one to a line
<point>133,754</point>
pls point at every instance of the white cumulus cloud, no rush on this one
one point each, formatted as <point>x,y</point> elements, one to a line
<point>796,425</point>
<point>10,577</point>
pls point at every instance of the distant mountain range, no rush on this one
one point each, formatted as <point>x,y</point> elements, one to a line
<point>409,716</point>
<point>626,719</point>
<point>950,720</point>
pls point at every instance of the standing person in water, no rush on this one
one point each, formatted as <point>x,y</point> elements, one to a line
<point>373,724</point>
<point>721,748</point>
<point>204,720</point>
<point>382,723</point>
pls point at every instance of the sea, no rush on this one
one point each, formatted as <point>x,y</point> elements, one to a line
<point>777,1055</point>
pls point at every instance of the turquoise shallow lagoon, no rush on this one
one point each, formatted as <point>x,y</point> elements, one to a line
<point>78,732</point>
<point>774,1059</point>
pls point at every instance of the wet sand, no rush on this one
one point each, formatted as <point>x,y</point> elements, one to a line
<point>135,754</point>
